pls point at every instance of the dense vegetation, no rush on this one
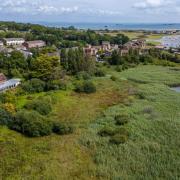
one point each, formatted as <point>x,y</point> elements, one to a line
<point>64,38</point>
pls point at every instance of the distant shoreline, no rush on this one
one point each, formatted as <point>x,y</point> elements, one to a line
<point>116,26</point>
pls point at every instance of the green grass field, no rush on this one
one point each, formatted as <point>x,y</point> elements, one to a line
<point>151,152</point>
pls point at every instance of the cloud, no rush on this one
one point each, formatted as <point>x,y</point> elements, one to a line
<point>34,7</point>
<point>150,4</point>
<point>56,10</point>
<point>101,12</point>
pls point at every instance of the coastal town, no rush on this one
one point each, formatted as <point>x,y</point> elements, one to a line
<point>99,52</point>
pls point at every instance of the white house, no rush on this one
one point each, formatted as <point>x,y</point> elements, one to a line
<point>13,41</point>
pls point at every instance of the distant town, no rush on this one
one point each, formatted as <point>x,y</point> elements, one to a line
<point>169,41</point>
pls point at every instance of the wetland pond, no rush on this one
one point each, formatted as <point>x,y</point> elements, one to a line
<point>177,89</point>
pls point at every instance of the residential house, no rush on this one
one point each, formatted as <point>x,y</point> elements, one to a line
<point>106,45</point>
<point>13,41</point>
<point>34,44</point>
<point>134,45</point>
<point>90,50</point>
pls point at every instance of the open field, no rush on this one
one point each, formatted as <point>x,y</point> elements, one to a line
<point>151,152</point>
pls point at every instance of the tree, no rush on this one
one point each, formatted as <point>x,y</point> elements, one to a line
<point>115,58</point>
<point>5,117</point>
<point>43,66</point>
<point>64,61</point>
<point>34,85</point>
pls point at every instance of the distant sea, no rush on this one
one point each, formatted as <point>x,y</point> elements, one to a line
<point>116,26</point>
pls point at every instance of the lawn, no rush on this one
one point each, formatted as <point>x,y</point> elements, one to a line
<point>151,152</point>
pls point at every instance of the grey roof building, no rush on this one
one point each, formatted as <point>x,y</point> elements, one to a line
<point>12,83</point>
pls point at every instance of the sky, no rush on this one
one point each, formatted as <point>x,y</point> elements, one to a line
<point>119,11</point>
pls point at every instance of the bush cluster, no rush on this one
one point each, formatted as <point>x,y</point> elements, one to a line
<point>120,137</point>
<point>41,105</point>
<point>85,87</point>
<point>62,129</point>
<point>121,119</point>
<point>100,73</point>
<point>37,85</point>
<point>56,85</point>
<point>107,131</point>
<point>31,123</point>
<point>5,117</point>
<point>83,75</point>
<point>34,86</point>
<point>113,78</point>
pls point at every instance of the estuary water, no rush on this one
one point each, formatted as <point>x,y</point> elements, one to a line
<point>177,89</point>
<point>116,26</point>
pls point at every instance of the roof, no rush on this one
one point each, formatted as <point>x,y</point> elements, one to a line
<point>8,83</point>
<point>35,42</point>
<point>13,39</point>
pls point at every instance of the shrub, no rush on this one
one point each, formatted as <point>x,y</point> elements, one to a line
<point>89,87</point>
<point>32,124</point>
<point>5,117</point>
<point>118,68</point>
<point>33,86</point>
<point>56,85</point>
<point>124,67</point>
<point>123,131</point>
<point>83,75</point>
<point>62,129</point>
<point>119,139</point>
<point>107,131</point>
<point>86,87</point>
<point>121,119</point>
<point>99,73</point>
<point>43,106</point>
<point>148,110</point>
<point>113,78</point>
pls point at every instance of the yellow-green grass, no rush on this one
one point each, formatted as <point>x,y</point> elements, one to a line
<point>151,152</point>
<point>56,157</point>
<point>155,36</point>
<point>131,35</point>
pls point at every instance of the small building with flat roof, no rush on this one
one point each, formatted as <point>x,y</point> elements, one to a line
<point>10,84</point>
